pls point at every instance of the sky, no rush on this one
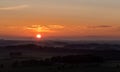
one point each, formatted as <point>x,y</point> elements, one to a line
<point>57,19</point>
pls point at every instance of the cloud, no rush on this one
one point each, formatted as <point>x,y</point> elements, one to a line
<point>56,26</point>
<point>43,28</point>
<point>14,7</point>
<point>38,28</point>
<point>100,26</point>
<point>104,26</point>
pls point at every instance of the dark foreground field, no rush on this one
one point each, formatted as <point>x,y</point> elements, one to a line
<point>70,63</point>
<point>61,57</point>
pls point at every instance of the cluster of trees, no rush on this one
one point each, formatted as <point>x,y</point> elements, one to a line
<point>71,59</point>
<point>76,59</point>
<point>72,63</point>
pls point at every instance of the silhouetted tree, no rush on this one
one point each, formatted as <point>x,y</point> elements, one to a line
<point>2,66</point>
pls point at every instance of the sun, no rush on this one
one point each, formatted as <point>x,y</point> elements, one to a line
<point>38,36</point>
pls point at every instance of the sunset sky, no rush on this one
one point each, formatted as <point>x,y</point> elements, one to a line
<point>72,19</point>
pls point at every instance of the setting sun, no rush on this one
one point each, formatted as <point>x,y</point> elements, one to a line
<point>38,36</point>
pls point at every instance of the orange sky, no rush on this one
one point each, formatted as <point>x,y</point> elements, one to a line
<point>60,19</point>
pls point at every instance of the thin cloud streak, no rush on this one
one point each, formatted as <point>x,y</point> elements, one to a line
<point>104,26</point>
<point>101,27</point>
<point>15,7</point>
<point>48,28</point>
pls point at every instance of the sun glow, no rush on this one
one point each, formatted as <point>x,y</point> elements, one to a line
<point>38,36</point>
